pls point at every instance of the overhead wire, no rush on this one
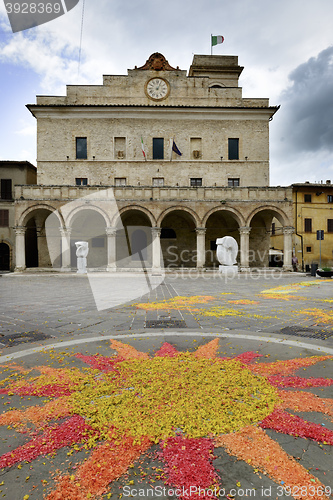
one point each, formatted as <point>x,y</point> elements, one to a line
<point>82,19</point>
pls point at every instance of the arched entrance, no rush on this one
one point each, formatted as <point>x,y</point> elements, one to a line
<point>36,245</point>
<point>89,225</point>
<point>4,257</point>
<point>219,224</point>
<point>178,239</point>
<point>260,237</point>
<point>133,240</point>
<point>31,246</point>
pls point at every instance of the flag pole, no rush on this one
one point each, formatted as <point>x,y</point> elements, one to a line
<point>172,140</point>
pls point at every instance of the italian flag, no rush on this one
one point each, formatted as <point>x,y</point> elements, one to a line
<point>143,149</point>
<point>217,39</point>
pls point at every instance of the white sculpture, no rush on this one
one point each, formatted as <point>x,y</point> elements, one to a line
<point>82,249</point>
<point>226,253</point>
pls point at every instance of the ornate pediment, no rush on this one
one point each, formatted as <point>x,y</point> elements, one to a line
<point>157,62</point>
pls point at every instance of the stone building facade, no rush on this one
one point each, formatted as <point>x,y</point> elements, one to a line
<point>185,156</point>
<point>11,173</point>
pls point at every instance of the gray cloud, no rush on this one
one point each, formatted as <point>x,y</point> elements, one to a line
<point>307,106</point>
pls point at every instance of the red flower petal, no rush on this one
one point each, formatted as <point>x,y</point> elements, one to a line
<point>284,422</point>
<point>70,432</point>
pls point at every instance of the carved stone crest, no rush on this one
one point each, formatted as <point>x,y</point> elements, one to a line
<point>157,62</point>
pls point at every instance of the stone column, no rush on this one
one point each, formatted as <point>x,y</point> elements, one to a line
<point>156,248</point>
<point>287,248</point>
<point>20,248</point>
<point>244,247</point>
<point>201,247</point>
<point>65,249</point>
<point>111,234</point>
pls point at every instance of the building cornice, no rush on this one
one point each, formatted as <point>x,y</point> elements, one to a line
<point>68,110</point>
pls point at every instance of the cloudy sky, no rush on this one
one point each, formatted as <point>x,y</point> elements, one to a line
<point>285,46</point>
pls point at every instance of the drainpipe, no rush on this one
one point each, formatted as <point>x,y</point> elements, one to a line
<point>300,235</point>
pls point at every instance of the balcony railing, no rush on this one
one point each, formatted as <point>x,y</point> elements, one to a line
<point>149,193</point>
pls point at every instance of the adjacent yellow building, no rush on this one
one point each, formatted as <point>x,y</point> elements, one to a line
<point>313,211</point>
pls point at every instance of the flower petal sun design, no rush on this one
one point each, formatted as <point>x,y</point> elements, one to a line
<point>188,403</point>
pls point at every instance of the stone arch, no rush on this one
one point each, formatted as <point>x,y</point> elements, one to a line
<point>40,249</point>
<point>24,216</point>
<point>279,214</point>
<point>134,237</point>
<point>179,208</point>
<point>79,209</point>
<point>180,249</point>
<point>216,85</point>
<point>220,222</point>
<point>139,208</point>
<point>236,213</point>
<point>260,222</point>
<point>88,223</point>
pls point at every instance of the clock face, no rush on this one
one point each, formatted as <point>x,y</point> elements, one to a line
<point>157,89</point>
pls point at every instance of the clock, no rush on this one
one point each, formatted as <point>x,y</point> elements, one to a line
<point>157,89</point>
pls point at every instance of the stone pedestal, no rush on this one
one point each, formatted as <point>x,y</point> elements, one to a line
<point>228,270</point>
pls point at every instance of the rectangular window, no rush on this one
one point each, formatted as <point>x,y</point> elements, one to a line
<point>233,182</point>
<point>308,249</point>
<point>6,189</point>
<point>4,218</point>
<point>330,225</point>
<point>196,182</point>
<point>330,198</point>
<point>158,148</point>
<point>273,228</point>
<point>308,225</point>
<point>120,181</point>
<point>81,181</point>
<point>158,181</point>
<point>233,149</point>
<point>81,148</point>
<point>307,198</point>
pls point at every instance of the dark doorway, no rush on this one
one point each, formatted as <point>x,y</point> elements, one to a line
<point>31,248</point>
<point>4,257</point>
